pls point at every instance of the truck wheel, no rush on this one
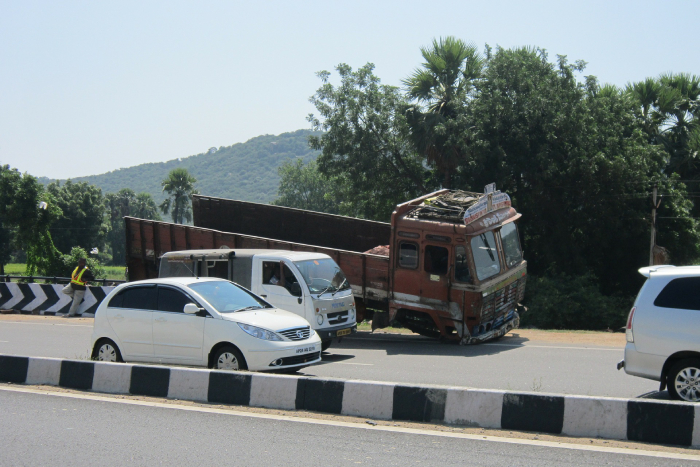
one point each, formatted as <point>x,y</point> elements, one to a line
<point>325,344</point>
<point>684,380</point>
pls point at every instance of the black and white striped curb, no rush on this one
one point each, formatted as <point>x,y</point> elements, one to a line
<point>593,417</point>
<point>47,299</point>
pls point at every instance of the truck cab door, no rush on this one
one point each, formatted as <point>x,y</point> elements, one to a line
<point>280,285</point>
<point>436,266</point>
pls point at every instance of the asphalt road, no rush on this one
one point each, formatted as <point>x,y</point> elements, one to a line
<point>510,363</point>
<point>39,429</point>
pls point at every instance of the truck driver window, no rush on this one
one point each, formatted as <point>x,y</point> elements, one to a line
<point>408,255</point>
<point>290,282</point>
<point>461,265</point>
<point>485,256</point>
<point>435,261</point>
<point>271,273</point>
<point>511,245</point>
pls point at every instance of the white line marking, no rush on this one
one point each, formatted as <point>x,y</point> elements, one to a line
<point>48,324</point>
<point>349,363</point>
<point>364,426</point>
<point>5,342</point>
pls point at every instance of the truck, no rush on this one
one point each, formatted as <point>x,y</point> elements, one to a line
<point>310,285</point>
<point>449,265</point>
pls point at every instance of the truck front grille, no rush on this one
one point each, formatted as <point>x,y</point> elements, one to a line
<point>296,334</point>
<point>338,317</point>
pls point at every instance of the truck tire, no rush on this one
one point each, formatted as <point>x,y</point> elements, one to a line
<point>325,344</point>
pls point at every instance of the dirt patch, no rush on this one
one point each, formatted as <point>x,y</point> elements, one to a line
<point>603,339</point>
<point>419,426</point>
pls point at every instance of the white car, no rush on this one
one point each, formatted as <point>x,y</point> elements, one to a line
<point>203,322</point>
<point>663,331</point>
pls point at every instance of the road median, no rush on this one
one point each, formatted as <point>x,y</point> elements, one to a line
<point>661,422</point>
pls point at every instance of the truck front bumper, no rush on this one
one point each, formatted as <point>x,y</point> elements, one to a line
<point>336,331</point>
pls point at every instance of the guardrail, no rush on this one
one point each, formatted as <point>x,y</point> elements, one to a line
<point>54,279</point>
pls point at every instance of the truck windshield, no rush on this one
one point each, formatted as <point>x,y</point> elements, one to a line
<point>322,275</point>
<point>176,267</point>
<point>485,255</point>
<point>511,245</point>
<point>227,297</point>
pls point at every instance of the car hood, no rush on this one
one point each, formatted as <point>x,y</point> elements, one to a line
<point>273,319</point>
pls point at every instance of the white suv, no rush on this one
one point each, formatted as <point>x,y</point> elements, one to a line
<point>663,331</point>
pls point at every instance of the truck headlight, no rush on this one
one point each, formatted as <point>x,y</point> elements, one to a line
<point>352,314</point>
<point>260,333</point>
<point>319,319</point>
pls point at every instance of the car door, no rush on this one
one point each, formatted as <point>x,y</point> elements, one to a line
<point>177,336</point>
<point>130,314</point>
<point>281,287</point>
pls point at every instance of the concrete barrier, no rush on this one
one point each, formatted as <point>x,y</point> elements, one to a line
<point>47,299</point>
<point>665,422</point>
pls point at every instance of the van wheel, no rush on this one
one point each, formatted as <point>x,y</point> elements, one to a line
<point>683,380</point>
<point>106,351</point>
<point>325,344</point>
<point>229,358</point>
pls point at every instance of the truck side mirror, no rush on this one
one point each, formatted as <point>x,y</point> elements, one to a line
<point>295,289</point>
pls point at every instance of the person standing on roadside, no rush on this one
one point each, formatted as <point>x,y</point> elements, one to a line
<point>78,284</point>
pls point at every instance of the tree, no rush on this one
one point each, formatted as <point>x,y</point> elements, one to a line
<point>125,203</point>
<point>27,211</point>
<point>365,142</point>
<point>303,187</point>
<point>442,85</point>
<point>82,223</point>
<point>179,185</point>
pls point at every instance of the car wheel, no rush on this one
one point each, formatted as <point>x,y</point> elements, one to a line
<point>106,351</point>
<point>683,380</point>
<point>229,358</point>
<point>325,344</point>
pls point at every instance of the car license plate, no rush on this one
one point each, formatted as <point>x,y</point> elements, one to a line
<point>306,349</point>
<point>344,332</point>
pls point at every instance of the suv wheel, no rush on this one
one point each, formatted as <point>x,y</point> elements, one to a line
<point>684,380</point>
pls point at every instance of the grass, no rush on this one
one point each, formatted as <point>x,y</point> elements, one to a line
<point>112,272</point>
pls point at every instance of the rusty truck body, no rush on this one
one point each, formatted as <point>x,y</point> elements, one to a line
<point>449,265</point>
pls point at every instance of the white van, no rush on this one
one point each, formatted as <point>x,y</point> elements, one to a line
<point>311,285</point>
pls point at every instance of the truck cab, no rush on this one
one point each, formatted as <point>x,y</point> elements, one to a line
<point>310,285</point>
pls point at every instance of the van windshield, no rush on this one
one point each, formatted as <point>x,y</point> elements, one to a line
<point>226,297</point>
<point>322,275</point>
<point>176,267</point>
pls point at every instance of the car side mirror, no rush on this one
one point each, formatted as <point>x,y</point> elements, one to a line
<point>191,309</point>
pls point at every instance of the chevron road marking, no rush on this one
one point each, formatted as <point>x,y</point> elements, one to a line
<point>88,301</point>
<point>63,300</point>
<point>17,295</point>
<point>40,297</point>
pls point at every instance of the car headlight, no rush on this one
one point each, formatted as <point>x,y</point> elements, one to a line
<point>260,333</point>
<point>319,319</point>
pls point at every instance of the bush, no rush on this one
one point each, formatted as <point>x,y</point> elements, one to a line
<point>65,264</point>
<point>558,301</point>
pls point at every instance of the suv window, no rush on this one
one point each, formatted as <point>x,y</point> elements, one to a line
<point>139,298</point>
<point>172,300</point>
<point>681,293</point>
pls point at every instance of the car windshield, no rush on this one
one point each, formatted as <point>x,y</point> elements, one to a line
<point>322,275</point>
<point>226,297</point>
<point>485,255</point>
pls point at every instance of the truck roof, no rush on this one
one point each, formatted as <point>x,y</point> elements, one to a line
<point>222,253</point>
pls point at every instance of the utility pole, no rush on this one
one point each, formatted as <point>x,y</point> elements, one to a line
<point>653,225</point>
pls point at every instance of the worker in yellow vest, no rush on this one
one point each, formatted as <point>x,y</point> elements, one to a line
<point>78,284</point>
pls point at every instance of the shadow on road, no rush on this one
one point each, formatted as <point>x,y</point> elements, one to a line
<point>411,344</point>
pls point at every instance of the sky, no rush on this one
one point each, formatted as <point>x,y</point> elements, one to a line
<point>88,87</point>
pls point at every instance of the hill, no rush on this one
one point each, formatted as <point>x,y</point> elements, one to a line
<point>245,171</point>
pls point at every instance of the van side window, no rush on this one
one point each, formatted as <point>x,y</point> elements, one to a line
<point>408,255</point>
<point>462,265</point>
<point>683,293</point>
<point>435,261</point>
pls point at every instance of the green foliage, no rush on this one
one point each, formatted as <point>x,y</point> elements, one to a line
<point>365,143</point>
<point>179,185</point>
<point>121,204</point>
<point>82,222</point>
<point>558,301</point>
<point>245,171</point>
<point>303,187</point>
<point>66,264</point>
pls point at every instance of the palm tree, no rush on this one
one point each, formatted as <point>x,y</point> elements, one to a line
<point>441,87</point>
<point>179,185</point>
